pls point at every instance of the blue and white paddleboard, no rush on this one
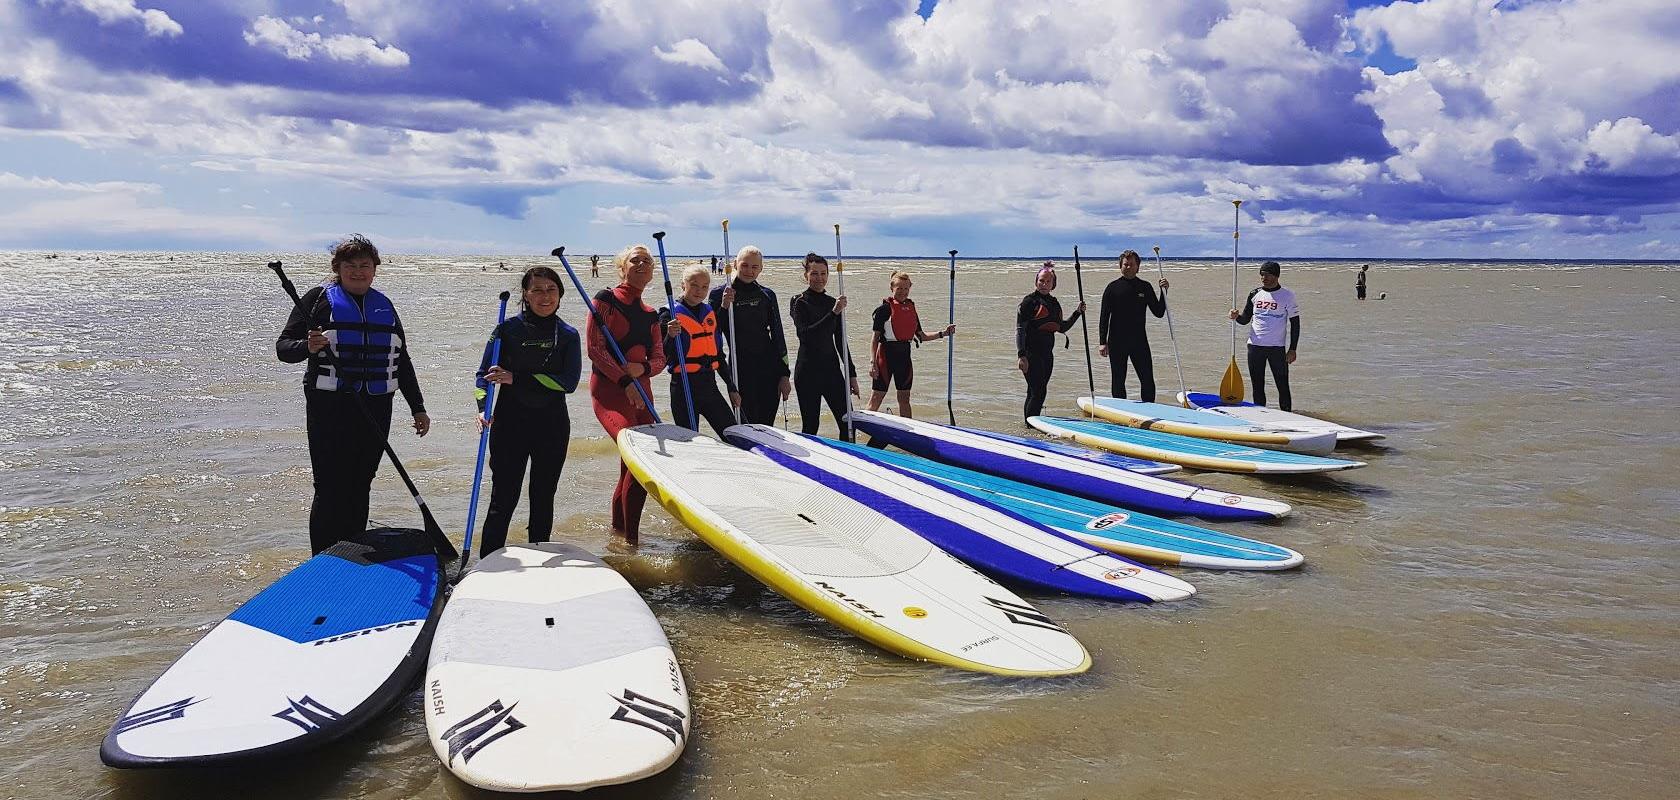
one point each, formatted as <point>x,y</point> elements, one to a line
<point>320,652</point>
<point>1129,533</point>
<point>984,536</point>
<point>1187,450</point>
<point>1261,415</point>
<point>1206,425</point>
<point>1085,477</point>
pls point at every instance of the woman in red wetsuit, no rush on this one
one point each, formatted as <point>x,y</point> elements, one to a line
<point>618,404</point>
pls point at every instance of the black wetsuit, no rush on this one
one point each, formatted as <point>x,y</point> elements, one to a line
<point>1037,322</point>
<point>1120,325</point>
<point>1359,286</point>
<point>816,371</point>
<point>710,404</point>
<point>343,453</point>
<point>531,422</point>
<point>760,353</point>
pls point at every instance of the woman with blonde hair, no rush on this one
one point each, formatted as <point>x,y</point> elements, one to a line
<point>612,391</point>
<point>752,321</point>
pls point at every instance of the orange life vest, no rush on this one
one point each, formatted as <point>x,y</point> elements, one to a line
<point>702,352</point>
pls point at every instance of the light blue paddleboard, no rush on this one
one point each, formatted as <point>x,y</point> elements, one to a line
<point>1187,450</point>
<point>1261,415</point>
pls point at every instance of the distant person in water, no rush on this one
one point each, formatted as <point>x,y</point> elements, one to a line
<point>594,266</point>
<point>612,386</point>
<point>1359,282</point>
<point>896,324</point>
<point>1121,333</point>
<point>349,319</point>
<point>1037,321</point>
<point>694,334</point>
<point>1269,308</point>
<point>714,265</point>
<point>817,374</point>
<point>538,369</point>
<point>759,346</point>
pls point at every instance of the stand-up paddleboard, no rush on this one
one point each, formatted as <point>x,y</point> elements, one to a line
<point>1141,466</point>
<point>989,538</point>
<point>1060,471</point>
<point>1206,425</point>
<point>320,652</point>
<point>1187,450</point>
<point>843,560</point>
<point>1129,533</point>
<point>549,672</point>
<point>1272,417</point>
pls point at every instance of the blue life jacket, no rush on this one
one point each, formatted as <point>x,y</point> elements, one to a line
<point>365,341</point>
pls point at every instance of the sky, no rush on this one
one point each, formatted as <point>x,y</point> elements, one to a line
<point>1428,129</point>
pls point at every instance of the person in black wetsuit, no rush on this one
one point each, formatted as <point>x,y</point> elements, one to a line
<point>695,333</point>
<point>816,371</point>
<point>1121,334</point>
<point>1359,282</point>
<point>1037,322</point>
<point>365,334</point>
<point>538,367</point>
<point>760,352</point>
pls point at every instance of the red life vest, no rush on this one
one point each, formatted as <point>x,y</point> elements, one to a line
<point>902,322</point>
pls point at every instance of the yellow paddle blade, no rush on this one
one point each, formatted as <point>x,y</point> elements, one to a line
<point>1231,386</point>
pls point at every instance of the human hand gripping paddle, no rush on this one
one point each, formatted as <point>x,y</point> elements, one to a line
<point>483,436</point>
<point>1231,386</point>
<point>606,332</point>
<point>444,548</point>
<point>1085,332</point>
<point>1183,390</point>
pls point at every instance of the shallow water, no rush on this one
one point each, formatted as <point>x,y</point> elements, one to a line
<point>1488,610</point>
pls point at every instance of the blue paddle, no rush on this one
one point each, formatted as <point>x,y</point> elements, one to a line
<point>483,437</point>
<point>612,344</point>
<point>682,348</point>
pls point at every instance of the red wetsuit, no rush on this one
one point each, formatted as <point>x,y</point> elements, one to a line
<point>620,308</point>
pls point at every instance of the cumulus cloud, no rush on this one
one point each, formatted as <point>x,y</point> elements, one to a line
<point>114,12</point>
<point>691,52</point>
<point>276,34</point>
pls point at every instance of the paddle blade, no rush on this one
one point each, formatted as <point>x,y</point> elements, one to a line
<point>1231,386</point>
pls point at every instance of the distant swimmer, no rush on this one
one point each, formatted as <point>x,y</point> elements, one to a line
<point>1121,333</point>
<point>1359,282</point>
<point>714,264</point>
<point>896,324</point>
<point>1265,313</point>
<point>502,265</point>
<point>1037,321</point>
<point>594,266</point>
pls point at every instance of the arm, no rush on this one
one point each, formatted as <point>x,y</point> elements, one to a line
<point>1068,323</point>
<point>670,344</point>
<point>1294,333</point>
<point>1157,305</point>
<point>481,387</point>
<point>600,355</point>
<point>293,344</point>
<point>1247,311</point>
<point>407,382</point>
<point>1105,314</point>
<point>571,364</point>
<point>1023,318</point>
<point>656,359</point>
<point>778,336</point>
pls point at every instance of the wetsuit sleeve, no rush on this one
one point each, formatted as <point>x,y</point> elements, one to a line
<point>1068,323</point>
<point>778,335</point>
<point>878,322</point>
<point>293,344</point>
<point>1294,332</point>
<point>1157,305</point>
<point>481,387</point>
<point>716,299</point>
<point>571,362</point>
<point>407,382</point>
<point>1105,314</point>
<point>600,354</point>
<point>806,328</point>
<point>656,358</point>
<point>671,343</point>
<point>1248,309</point>
<point>1023,318</point>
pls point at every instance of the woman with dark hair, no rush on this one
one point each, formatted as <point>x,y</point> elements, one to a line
<point>1037,321</point>
<point>539,365</point>
<point>816,371</point>
<point>612,386</point>
<point>364,334</point>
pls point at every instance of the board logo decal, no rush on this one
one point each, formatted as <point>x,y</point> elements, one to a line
<point>661,718</point>
<point>1022,614</point>
<point>914,612</point>
<point>1122,573</point>
<point>480,730</point>
<point>407,623</point>
<point>153,716</point>
<point>1231,500</point>
<point>849,600</point>
<point>1107,521</point>
<point>308,714</point>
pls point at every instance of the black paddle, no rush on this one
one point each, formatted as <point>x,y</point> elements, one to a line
<point>1085,329</point>
<point>444,548</point>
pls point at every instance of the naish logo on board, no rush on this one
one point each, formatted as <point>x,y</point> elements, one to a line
<point>676,676</point>
<point>848,600</point>
<point>381,629</point>
<point>480,730</point>
<point>309,714</point>
<point>153,716</point>
<point>437,697</point>
<point>1107,521</point>
<point>662,718</point>
<point>1022,614</point>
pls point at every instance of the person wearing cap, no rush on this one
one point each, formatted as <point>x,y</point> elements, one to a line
<point>1121,334</point>
<point>1359,283</point>
<point>1266,312</point>
<point>1037,321</point>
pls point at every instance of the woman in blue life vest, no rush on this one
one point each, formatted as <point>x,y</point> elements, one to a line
<point>695,336</point>
<point>366,336</point>
<point>538,368</point>
<point>896,325</point>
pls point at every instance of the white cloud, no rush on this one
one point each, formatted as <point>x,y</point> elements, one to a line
<point>10,180</point>
<point>691,52</point>
<point>278,35</point>
<point>112,12</point>
<point>1630,147</point>
<point>625,215</point>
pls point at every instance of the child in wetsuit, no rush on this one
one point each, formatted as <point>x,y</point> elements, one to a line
<point>896,325</point>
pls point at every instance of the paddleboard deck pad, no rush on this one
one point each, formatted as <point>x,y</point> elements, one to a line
<point>321,651</point>
<point>844,561</point>
<point>1262,415</point>
<point>1188,450</point>
<point>549,672</point>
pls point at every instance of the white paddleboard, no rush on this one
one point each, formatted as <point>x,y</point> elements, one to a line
<point>1273,417</point>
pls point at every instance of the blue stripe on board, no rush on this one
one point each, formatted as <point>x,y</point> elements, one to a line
<point>1211,400</point>
<point>1099,456</point>
<point>328,596</point>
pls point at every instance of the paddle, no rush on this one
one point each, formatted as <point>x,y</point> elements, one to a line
<point>1182,388</point>
<point>951,346</point>
<point>729,283</point>
<point>1231,386</point>
<point>612,344</point>
<point>845,345</point>
<point>1085,332</point>
<point>682,349</point>
<point>444,548</point>
<point>483,437</point>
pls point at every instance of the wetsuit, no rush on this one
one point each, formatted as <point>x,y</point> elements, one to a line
<point>705,362</point>
<point>761,350</point>
<point>635,327</point>
<point>368,340</point>
<point>1359,286</point>
<point>1120,325</point>
<point>897,324</point>
<point>816,371</point>
<point>1268,310</point>
<point>531,421</point>
<point>1037,322</point>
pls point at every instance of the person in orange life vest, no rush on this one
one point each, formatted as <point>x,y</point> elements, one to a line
<point>367,338</point>
<point>896,325</point>
<point>760,349</point>
<point>1037,322</point>
<point>695,333</point>
<point>817,376</point>
<point>635,327</point>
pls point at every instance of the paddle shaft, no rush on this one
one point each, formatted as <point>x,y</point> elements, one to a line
<point>845,354</point>
<point>1182,387</point>
<point>606,332</point>
<point>1085,330</point>
<point>729,284</point>
<point>951,345</point>
<point>682,348</point>
<point>483,437</point>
